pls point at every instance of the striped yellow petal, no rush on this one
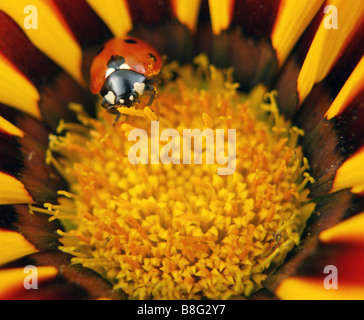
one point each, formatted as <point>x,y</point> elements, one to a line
<point>351,174</point>
<point>350,230</point>
<point>9,128</point>
<point>221,14</point>
<point>353,86</point>
<point>16,90</point>
<point>52,35</point>
<point>115,14</point>
<point>14,246</point>
<point>12,191</point>
<point>13,279</point>
<point>296,288</point>
<point>328,44</point>
<point>292,19</point>
<point>187,12</point>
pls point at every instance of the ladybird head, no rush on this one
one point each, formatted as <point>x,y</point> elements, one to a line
<point>123,87</point>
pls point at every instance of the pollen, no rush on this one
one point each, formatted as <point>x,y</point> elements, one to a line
<point>181,230</point>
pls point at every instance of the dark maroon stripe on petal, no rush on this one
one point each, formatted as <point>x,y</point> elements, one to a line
<point>254,61</point>
<point>150,12</point>
<point>8,217</point>
<point>84,23</point>
<point>52,289</point>
<point>171,39</point>
<point>255,17</point>
<point>91,282</point>
<point>24,159</point>
<point>40,179</point>
<point>286,85</point>
<point>11,157</point>
<point>204,36</point>
<point>304,43</point>
<point>15,45</point>
<point>329,211</point>
<point>293,260</point>
<point>246,44</point>
<point>321,147</point>
<point>263,294</point>
<point>56,96</point>
<point>36,227</point>
<point>346,63</point>
<point>328,143</point>
<point>321,142</point>
<point>204,14</point>
<point>31,126</point>
<point>286,80</point>
<point>350,126</point>
<point>155,23</point>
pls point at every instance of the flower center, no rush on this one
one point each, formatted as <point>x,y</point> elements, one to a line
<point>181,230</point>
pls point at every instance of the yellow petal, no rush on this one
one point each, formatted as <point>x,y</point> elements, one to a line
<point>12,191</point>
<point>52,36</point>
<point>350,230</point>
<point>328,44</point>
<point>9,128</point>
<point>115,14</point>
<point>14,246</point>
<point>292,19</point>
<point>351,174</point>
<point>13,279</point>
<point>16,90</point>
<point>221,14</point>
<point>352,87</point>
<point>296,288</point>
<point>187,12</point>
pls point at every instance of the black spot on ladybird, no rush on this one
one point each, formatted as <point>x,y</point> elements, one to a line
<point>130,41</point>
<point>100,50</point>
<point>115,62</point>
<point>151,56</point>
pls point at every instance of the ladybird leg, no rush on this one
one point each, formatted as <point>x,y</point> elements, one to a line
<point>151,81</point>
<point>151,99</point>
<point>153,95</point>
<point>112,109</point>
<point>117,118</point>
<point>149,86</point>
<point>149,89</point>
<point>105,103</point>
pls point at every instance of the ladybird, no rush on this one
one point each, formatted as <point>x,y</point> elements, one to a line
<point>122,71</point>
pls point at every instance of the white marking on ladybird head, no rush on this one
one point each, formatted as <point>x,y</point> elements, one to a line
<point>109,71</point>
<point>139,87</point>
<point>110,97</point>
<point>122,101</point>
<point>131,98</point>
<point>125,66</point>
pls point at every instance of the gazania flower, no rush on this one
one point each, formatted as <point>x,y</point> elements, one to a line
<point>79,220</point>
